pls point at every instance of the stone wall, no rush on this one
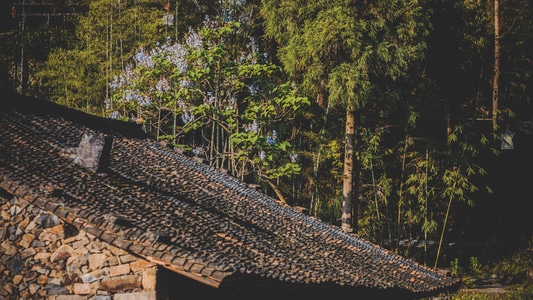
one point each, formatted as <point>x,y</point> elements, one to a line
<point>41,257</point>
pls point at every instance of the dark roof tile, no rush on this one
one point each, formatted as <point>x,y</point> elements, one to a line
<point>186,216</point>
<point>107,237</point>
<point>120,243</point>
<point>136,248</point>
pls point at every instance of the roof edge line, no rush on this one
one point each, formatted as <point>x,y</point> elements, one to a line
<point>206,280</point>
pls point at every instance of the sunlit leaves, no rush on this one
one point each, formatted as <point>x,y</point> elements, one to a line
<point>207,86</point>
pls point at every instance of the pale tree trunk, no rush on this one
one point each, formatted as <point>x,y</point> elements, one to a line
<point>348,218</point>
<point>496,79</point>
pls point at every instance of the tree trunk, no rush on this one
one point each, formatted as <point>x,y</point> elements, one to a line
<point>495,83</point>
<point>348,218</point>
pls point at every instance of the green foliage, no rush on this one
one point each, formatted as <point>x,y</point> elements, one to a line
<point>475,265</point>
<point>518,263</point>
<point>403,66</point>
<point>71,78</point>
<point>340,52</point>
<point>106,37</point>
<point>457,270</point>
<point>344,45</point>
<point>204,87</point>
<point>513,267</point>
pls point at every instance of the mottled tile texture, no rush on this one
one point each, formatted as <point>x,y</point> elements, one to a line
<point>193,219</point>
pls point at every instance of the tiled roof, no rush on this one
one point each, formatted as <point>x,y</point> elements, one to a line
<point>186,216</point>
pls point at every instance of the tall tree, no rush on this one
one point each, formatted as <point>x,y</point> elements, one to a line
<point>29,37</point>
<point>496,77</point>
<point>224,106</point>
<point>338,50</point>
<point>107,36</point>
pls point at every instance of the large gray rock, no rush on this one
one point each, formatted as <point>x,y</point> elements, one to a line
<point>93,152</point>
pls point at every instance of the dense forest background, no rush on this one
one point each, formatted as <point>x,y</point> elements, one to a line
<point>402,121</point>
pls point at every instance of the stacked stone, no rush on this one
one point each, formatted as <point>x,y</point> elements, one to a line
<point>42,257</point>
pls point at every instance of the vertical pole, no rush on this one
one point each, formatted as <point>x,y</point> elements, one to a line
<point>22,86</point>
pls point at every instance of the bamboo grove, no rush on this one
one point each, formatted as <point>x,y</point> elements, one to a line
<point>376,116</point>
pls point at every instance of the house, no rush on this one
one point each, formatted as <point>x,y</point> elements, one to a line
<point>93,208</point>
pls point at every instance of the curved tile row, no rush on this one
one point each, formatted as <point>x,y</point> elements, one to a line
<point>188,216</point>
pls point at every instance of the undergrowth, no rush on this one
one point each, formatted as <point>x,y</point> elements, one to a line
<point>512,277</point>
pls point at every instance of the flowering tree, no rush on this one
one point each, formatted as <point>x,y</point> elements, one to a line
<point>215,99</point>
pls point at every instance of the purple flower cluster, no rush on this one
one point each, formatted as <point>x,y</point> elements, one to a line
<point>183,77</point>
<point>251,127</point>
<point>162,85</point>
<point>272,137</point>
<point>198,151</point>
<point>194,40</point>
<point>293,157</point>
